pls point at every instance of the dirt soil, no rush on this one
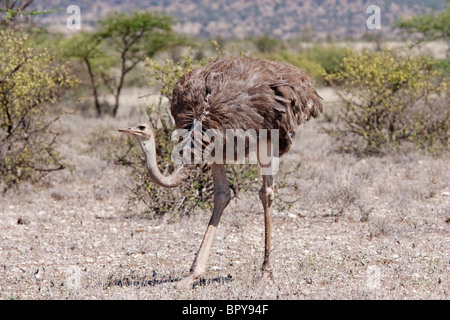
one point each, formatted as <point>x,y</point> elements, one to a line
<point>343,228</point>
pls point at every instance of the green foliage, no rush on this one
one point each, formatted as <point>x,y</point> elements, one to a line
<point>10,14</point>
<point>166,74</point>
<point>316,61</point>
<point>91,60</point>
<point>83,44</point>
<point>133,37</point>
<point>17,8</point>
<point>443,66</point>
<point>312,68</point>
<point>265,43</point>
<point>328,57</point>
<point>136,35</point>
<point>391,99</point>
<point>432,26</point>
<point>300,60</point>
<point>30,80</point>
<point>122,41</point>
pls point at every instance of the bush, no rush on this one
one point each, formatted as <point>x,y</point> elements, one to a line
<point>328,57</point>
<point>30,80</point>
<point>316,61</point>
<point>389,100</point>
<point>314,69</point>
<point>265,43</point>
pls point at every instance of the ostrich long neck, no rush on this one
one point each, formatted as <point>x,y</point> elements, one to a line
<point>170,181</point>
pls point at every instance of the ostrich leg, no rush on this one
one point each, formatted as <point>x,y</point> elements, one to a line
<point>222,197</point>
<point>266,194</point>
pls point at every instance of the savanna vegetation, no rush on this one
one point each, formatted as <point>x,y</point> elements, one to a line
<point>31,79</point>
<point>389,100</point>
<point>362,199</point>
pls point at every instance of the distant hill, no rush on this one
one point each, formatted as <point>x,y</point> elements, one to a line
<point>242,18</point>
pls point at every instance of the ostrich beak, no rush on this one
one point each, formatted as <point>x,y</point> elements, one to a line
<point>128,130</point>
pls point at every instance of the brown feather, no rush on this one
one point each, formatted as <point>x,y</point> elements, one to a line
<point>246,93</point>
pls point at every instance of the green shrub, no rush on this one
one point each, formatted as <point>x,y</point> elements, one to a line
<point>312,68</point>
<point>388,100</point>
<point>316,61</point>
<point>443,66</point>
<point>265,43</point>
<point>30,80</point>
<point>328,57</point>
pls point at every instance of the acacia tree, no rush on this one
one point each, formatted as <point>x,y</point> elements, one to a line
<point>431,26</point>
<point>85,47</point>
<point>133,37</point>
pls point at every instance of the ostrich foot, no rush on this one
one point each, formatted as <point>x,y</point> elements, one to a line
<point>267,275</point>
<point>187,282</point>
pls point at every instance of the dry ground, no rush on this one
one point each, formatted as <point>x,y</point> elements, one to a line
<point>343,228</point>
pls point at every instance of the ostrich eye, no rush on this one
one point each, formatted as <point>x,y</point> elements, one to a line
<point>142,128</point>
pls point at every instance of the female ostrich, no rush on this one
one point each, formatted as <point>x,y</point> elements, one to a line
<point>235,93</point>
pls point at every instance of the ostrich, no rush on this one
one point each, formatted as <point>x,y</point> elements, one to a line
<point>234,93</point>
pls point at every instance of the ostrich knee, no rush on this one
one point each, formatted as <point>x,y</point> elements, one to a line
<point>266,195</point>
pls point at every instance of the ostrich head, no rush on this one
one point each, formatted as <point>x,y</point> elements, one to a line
<point>143,133</point>
<point>140,131</point>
